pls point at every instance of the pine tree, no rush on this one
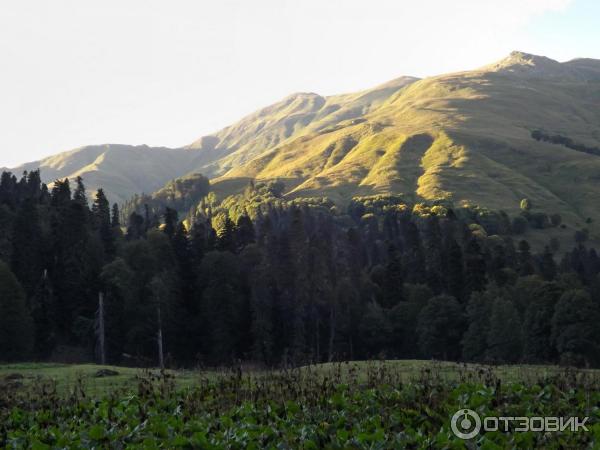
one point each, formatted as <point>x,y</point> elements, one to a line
<point>548,265</point>
<point>525,261</point>
<point>537,324</point>
<point>574,328</point>
<point>42,311</point>
<point>244,231</point>
<point>116,217</point>
<point>504,339</point>
<point>393,282</point>
<point>455,279</point>
<point>102,222</point>
<point>16,327</point>
<point>413,257</point>
<point>433,255</point>
<point>475,268</point>
<point>221,300</point>
<point>28,247</point>
<point>226,236</point>
<point>171,221</point>
<point>79,196</point>
<point>135,228</point>
<point>474,343</point>
<point>440,328</point>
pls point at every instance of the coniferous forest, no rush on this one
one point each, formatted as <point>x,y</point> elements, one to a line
<point>273,281</point>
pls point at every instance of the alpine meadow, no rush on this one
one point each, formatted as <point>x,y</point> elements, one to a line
<point>340,272</point>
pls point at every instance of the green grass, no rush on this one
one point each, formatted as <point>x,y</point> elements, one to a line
<point>67,377</point>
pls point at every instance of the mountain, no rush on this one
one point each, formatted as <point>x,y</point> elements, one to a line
<point>466,137</point>
<point>524,127</point>
<point>121,170</point>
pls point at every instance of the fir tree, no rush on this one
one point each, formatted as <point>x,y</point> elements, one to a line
<point>16,327</point>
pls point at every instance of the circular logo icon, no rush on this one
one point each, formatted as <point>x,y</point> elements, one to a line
<point>466,424</point>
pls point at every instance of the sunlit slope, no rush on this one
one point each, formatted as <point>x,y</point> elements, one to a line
<point>463,136</point>
<point>121,170</point>
<point>295,116</point>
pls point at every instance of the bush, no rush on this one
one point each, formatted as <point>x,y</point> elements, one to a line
<point>519,225</point>
<point>526,204</point>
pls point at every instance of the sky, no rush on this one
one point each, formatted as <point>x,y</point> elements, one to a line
<point>163,73</point>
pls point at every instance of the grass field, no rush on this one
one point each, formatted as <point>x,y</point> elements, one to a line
<point>359,405</point>
<point>67,377</point>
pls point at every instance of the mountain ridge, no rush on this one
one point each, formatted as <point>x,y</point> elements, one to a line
<point>465,137</point>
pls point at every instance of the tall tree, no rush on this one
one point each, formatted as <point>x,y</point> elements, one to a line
<point>393,282</point>
<point>28,247</point>
<point>102,222</point>
<point>504,339</point>
<point>16,326</point>
<point>475,267</point>
<point>575,328</point>
<point>440,328</point>
<point>474,342</point>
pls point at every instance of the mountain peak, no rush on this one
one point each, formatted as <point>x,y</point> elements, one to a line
<point>519,57</point>
<point>528,65</point>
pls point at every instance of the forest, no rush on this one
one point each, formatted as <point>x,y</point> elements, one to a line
<point>277,282</point>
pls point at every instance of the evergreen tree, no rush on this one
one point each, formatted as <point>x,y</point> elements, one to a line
<point>475,268</point>
<point>79,196</point>
<point>135,228</point>
<point>525,261</point>
<point>392,283</point>
<point>221,299</point>
<point>537,324</point>
<point>575,330</point>
<point>547,265</point>
<point>404,318</point>
<point>116,217</point>
<point>454,271</point>
<point>102,222</point>
<point>42,311</point>
<point>28,247</point>
<point>375,331</point>
<point>226,235</point>
<point>433,255</point>
<point>504,339</point>
<point>440,328</point>
<point>474,343</point>
<point>171,221</point>
<point>244,231</point>
<point>16,327</point>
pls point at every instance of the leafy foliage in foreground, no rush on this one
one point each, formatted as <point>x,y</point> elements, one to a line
<point>302,408</point>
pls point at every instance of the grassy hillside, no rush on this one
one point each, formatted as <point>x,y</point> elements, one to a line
<point>121,170</point>
<point>465,137</point>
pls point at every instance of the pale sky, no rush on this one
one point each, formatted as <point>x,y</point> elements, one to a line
<point>158,72</point>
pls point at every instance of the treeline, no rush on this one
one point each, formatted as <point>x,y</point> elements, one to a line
<point>539,135</point>
<point>182,194</point>
<point>267,280</point>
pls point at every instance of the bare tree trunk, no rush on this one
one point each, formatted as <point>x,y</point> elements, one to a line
<point>100,329</point>
<point>161,358</point>
<point>318,339</point>
<point>331,330</point>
